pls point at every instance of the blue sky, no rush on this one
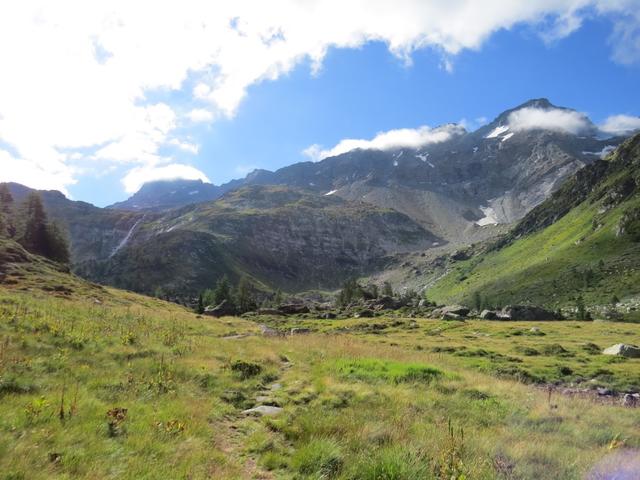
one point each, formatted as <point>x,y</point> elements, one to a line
<point>356,93</point>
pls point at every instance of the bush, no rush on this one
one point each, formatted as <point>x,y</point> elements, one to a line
<point>245,370</point>
<point>320,456</point>
<point>390,464</point>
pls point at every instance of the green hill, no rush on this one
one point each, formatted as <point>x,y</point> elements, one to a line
<point>584,241</point>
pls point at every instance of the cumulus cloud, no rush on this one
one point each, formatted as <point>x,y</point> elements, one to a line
<point>620,124</point>
<point>200,115</point>
<point>136,177</point>
<point>78,76</point>
<point>566,121</point>
<point>392,139</point>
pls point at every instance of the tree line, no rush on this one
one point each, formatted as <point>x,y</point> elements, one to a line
<point>241,297</point>
<point>28,224</point>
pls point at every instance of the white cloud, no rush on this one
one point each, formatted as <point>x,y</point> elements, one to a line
<point>567,121</point>
<point>400,138</point>
<point>77,75</point>
<point>26,172</point>
<point>200,115</point>
<point>136,177</point>
<point>185,146</point>
<point>620,124</point>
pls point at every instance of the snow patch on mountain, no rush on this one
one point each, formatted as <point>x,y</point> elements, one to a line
<point>496,132</point>
<point>490,217</point>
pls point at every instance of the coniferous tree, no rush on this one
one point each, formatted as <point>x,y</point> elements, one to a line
<point>200,306</point>
<point>57,246</point>
<point>222,291</point>
<point>7,226</point>
<point>245,300</point>
<point>34,237</point>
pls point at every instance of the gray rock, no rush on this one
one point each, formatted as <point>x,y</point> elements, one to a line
<point>365,314</point>
<point>451,312</point>
<point>263,410</point>
<point>488,315</point>
<point>631,400</point>
<point>222,310</point>
<point>623,350</point>
<point>327,316</point>
<point>276,386</point>
<point>300,331</point>
<point>526,312</point>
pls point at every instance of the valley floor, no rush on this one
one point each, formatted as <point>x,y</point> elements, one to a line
<point>97,383</point>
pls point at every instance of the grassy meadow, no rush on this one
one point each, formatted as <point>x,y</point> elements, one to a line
<point>98,383</point>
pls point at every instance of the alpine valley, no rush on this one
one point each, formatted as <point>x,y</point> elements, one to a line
<point>455,217</point>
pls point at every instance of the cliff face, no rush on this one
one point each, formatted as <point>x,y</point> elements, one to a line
<point>282,237</point>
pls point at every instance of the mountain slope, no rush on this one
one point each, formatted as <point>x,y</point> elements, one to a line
<point>456,185</point>
<point>94,233</point>
<point>583,241</point>
<point>282,237</point>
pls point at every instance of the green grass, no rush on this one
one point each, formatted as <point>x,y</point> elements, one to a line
<point>148,389</point>
<point>548,267</point>
<point>372,370</point>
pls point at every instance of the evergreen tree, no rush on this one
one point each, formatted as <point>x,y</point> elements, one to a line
<point>244,296</point>
<point>34,237</point>
<point>200,306</point>
<point>57,246</point>
<point>7,227</point>
<point>477,300</point>
<point>222,291</point>
<point>580,309</point>
<point>277,299</point>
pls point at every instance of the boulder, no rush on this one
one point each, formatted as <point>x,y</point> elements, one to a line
<point>631,400</point>
<point>327,316</point>
<point>293,309</point>
<point>451,316</point>
<point>526,312</point>
<point>263,410</point>
<point>299,331</point>
<point>623,350</point>
<point>366,313</point>
<point>384,303</point>
<point>489,315</point>
<point>451,309</point>
<point>222,310</point>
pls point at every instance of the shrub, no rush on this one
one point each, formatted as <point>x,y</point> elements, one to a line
<point>391,463</point>
<point>245,370</point>
<point>320,456</point>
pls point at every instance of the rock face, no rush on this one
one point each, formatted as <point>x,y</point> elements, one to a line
<point>167,194</point>
<point>451,312</point>
<point>623,350</point>
<point>526,312</point>
<point>489,315</point>
<point>222,310</point>
<point>293,309</point>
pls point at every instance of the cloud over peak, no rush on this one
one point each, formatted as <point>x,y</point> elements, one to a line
<point>556,119</point>
<point>389,140</point>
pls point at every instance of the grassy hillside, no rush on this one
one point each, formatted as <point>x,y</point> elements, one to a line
<point>582,242</point>
<point>99,383</point>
